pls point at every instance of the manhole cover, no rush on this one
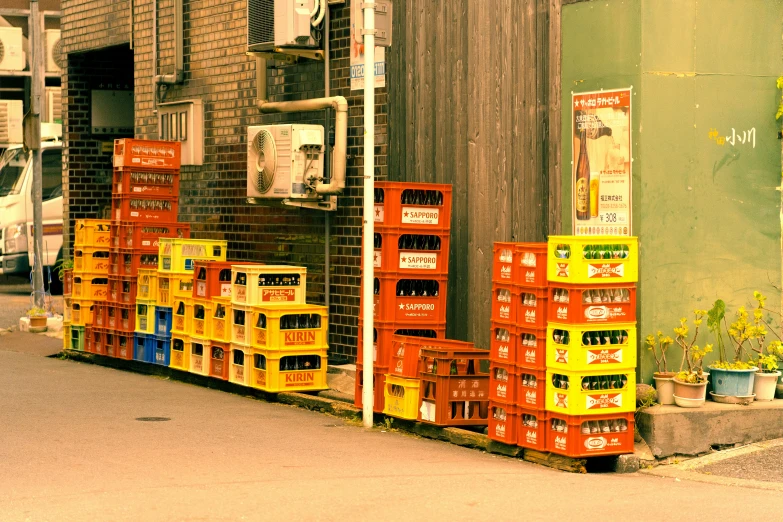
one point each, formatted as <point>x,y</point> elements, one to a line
<point>153,419</point>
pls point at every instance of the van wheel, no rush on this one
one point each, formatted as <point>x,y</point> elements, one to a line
<point>56,288</point>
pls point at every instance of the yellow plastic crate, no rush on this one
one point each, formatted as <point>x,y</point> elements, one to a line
<point>401,397</point>
<point>220,320</point>
<point>199,356</point>
<point>281,371</point>
<point>202,313</point>
<point>91,233</point>
<point>182,316</point>
<point>145,316</point>
<point>600,398</point>
<point>241,324</point>
<point>66,336</point>
<point>90,286</point>
<point>180,352</point>
<point>170,286</point>
<point>81,312</point>
<point>67,303</point>
<point>91,260</point>
<point>184,287</point>
<point>270,285</point>
<point>607,348</point>
<point>177,255</point>
<point>239,367</point>
<point>147,287</point>
<point>290,328</point>
<point>593,259</point>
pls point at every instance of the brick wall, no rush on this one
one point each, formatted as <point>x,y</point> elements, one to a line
<point>212,196</point>
<point>94,24</point>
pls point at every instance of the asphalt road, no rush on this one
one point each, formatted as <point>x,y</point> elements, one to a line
<point>16,299</point>
<point>73,448</point>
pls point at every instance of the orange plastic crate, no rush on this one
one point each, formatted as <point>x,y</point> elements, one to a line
<point>67,282</point>
<point>90,286</point>
<point>590,435</point>
<point>99,341</point>
<point>130,207</point>
<point>502,383</point>
<point>505,303</point>
<point>592,304</point>
<point>126,262</point>
<point>410,309</point>
<point>146,182</point>
<point>145,236</point>
<point>415,205</point>
<point>520,264</point>
<point>100,314</point>
<point>153,154</point>
<point>122,290</point>
<point>219,354</point>
<point>379,383</point>
<point>123,345</point>
<point>382,338</point>
<point>406,353</point>
<point>503,343</point>
<point>531,388</point>
<point>121,318</point>
<point>532,429</point>
<point>407,251</point>
<point>503,422</point>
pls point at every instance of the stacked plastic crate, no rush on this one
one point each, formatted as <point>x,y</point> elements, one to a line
<point>591,345</point>
<point>278,341</point>
<point>411,263</point>
<point>174,305</point>
<point>87,284</point>
<point>518,344</point>
<point>211,285</point>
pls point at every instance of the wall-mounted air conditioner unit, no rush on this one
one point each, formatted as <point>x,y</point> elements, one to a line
<point>284,160</point>
<point>55,59</point>
<point>11,122</point>
<point>281,23</point>
<point>11,53</point>
<point>53,105</point>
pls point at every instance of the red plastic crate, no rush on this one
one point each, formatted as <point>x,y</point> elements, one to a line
<point>121,318</point>
<point>145,182</point>
<point>503,343</point>
<point>67,282</point>
<point>531,432</point>
<point>98,341</point>
<point>212,279</point>
<point>122,290</point>
<point>379,378</point>
<point>99,314</point>
<point>502,383</point>
<point>407,309</point>
<point>109,341</point>
<point>505,303</point>
<point>125,262</point>
<point>531,393</point>
<point>520,264</point>
<point>592,304</point>
<point>532,308</point>
<point>88,339</point>
<point>406,352</point>
<point>134,208</point>
<point>153,154</point>
<point>219,361</point>
<point>418,257</point>
<point>394,206</point>
<point>566,434</point>
<point>123,345</point>
<point>531,351</point>
<point>382,338</point>
<point>503,422</point>
<point>144,236</point>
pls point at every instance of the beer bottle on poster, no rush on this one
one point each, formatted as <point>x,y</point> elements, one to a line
<point>582,187</point>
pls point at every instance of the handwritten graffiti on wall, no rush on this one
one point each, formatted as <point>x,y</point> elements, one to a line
<point>747,137</point>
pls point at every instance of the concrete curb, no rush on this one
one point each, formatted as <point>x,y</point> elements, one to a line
<point>346,410</point>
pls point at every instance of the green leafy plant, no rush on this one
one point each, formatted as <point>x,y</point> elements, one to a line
<point>780,105</point>
<point>36,312</point>
<point>691,365</point>
<point>659,346</point>
<point>751,336</point>
<point>61,266</point>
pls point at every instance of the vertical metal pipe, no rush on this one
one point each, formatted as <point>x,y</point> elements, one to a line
<point>327,162</point>
<point>35,28</point>
<point>368,216</point>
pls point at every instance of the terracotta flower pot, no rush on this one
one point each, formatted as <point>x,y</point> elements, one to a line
<point>38,321</point>
<point>687,390</point>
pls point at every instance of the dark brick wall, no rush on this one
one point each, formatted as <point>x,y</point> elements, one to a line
<point>94,24</point>
<point>212,198</point>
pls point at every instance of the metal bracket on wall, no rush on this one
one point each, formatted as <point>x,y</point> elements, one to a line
<point>289,55</point>
<point>328,204</point>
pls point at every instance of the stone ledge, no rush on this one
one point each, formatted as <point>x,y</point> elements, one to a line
<point>671,430</point>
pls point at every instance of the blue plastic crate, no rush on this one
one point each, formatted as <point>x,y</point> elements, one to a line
<point>163,320</point>
<point>161,352</point>
<point>144,348</point>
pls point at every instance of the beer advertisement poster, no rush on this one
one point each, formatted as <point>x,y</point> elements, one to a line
<point>601,163</point>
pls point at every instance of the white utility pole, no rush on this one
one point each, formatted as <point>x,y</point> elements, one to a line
<point>35,34</point>
<point>368,232</point>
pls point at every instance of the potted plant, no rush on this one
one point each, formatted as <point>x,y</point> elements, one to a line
<point>735,377</point>
<point>37,318</point>
<point>768,374</point>
<point>690,383</point>
<point>664,379</point>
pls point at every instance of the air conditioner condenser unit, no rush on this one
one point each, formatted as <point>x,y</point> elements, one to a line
<point>12,56</point>
<point>281,23</point>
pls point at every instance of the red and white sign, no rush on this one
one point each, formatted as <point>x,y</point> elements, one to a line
<point>379,213</point>
<point>420,215</point>
<point>562,269</point>
<point>417,261</point>
<point>604,401</point>
<point>604,356</point>
<point>561,356</point>
<point>278,295</point>
<point>605,270</point>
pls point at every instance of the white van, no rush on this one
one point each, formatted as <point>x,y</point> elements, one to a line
<point>16,211</point>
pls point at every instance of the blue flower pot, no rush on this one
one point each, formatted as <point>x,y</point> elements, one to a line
<point>733,383</point>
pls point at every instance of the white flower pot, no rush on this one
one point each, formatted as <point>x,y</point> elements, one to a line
<point>664,384</point>
<point>764,385</point>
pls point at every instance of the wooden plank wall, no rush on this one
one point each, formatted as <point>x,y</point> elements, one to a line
<point>469,85</point>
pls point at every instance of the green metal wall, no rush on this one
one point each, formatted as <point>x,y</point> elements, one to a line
<point>706,213</point>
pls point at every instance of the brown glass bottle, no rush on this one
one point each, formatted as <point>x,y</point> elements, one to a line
<point>582,186</point>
